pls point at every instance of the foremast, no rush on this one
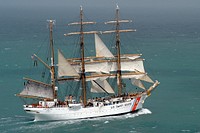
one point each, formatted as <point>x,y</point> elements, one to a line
<point>52,67</point>
<point>81,33</point>
<point>39,90</point>
<point>117,22</point>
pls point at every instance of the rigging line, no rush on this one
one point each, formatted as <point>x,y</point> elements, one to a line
<point>24,101</point>
<point>89,94</point>
<point>77,45</point>
<point>49,78</point>
<point>113,82</point>
<point>61,91</point>
<point>42,43</point>
<point>44,70</point>
<point>100,86</point>
<point>85,17</point>
<point>76,91</point>
<point>153,73</point>
<point>75,19</point>
<point>69,87</point>
<point>87,47</point>
<point>80,90</point>
<point>111,43</point>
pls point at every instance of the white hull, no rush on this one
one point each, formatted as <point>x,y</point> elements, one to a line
<point>78,112</point>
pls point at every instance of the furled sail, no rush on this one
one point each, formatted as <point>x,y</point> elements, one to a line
<point>133,57</point>
<point>37,90</point>
<point>101,86</point>
<point>64,68</point>
<point>101,49</point>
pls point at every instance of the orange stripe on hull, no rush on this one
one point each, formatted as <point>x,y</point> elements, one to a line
<point>136,103</point>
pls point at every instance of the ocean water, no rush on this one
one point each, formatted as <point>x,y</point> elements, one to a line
<point>168,37</point>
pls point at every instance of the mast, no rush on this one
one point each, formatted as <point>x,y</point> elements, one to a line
<point>119,79</point>
<point>52,67</point>
<point>83,81</point>
<point>81,33</point>
<point>117,22</point>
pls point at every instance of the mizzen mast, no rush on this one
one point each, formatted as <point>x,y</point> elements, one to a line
<point>119,79</point>
<point>117,22</point>
<point>81,33</point>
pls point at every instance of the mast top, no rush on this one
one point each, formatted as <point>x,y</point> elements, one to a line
<point>51,21</point>
<point>117,7</point>
<point>81,8</point>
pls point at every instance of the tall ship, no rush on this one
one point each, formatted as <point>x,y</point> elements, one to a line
<point>94,75</point>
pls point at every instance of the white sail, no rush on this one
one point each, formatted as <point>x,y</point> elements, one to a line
<point>108,66</point>
<point>37,90</point>
<point>94,67</point>
<point>137,80</point>
<point>143,77</point>
<point>64,68</point>
<point>101,49</point>
<point>98,67</point>
<point>101,86</point>
<point>138,83</point>
<point>146,78</point>
<point>136,65</point>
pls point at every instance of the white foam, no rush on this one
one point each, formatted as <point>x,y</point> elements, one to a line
<point>125,116</point>
<point>132,131</point>
<point>7,48</point>
<point>185,130</point>
<point>106,122</point>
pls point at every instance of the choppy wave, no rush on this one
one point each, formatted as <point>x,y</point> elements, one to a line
<point>7,49</point>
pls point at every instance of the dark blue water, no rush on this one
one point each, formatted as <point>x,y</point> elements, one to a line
<point>167,36</point>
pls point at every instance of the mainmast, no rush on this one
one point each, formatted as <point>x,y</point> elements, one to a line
<point>81,33</point>
<point>83,80</point>
<point>117,22</point>
<point>52,67</point>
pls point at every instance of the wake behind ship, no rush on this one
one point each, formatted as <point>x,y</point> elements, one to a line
<point>94,74</point>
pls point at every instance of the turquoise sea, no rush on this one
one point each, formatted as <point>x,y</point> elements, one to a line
<point>168,36</point>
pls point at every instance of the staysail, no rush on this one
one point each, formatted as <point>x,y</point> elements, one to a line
<point>64,68</point>
<point>101,86</point>
<point>138,83</point>
<point>101,49</point>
